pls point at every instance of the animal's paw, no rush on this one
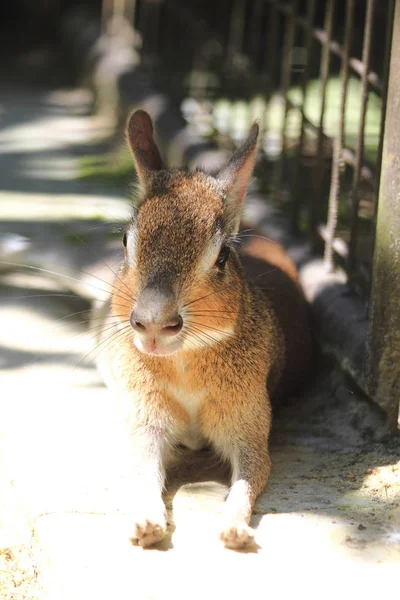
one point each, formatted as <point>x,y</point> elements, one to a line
<point>236,535</point>
<point>149,528</point>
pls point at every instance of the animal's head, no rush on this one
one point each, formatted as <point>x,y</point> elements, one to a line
<point>178,288</point>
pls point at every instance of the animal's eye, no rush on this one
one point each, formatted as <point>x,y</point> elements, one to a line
<point>124,240</point>
<point>223,256</point>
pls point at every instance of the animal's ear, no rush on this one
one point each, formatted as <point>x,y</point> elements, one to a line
<point>235,176</point>
<point>140,137</point>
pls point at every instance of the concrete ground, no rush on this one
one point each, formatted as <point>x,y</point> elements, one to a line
<point>329,521</point>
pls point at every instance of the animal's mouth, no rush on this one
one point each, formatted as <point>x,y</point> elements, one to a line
<point>156,347</point>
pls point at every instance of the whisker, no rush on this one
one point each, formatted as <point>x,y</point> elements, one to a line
<point>103,261</point>
<point>79,312</point>
<point>42,270</point>
<point>207,295</point>
<point>50,295</point>
<point>197,333</point>
<point>263,274</point>
<point>109,339</point>
<point>90,319</point>
<point>208,316</point>
<point>205,334</point>
<point>96,328</point>
<point>263,237</point>
<point>224,288</point>
<point>227,333</point>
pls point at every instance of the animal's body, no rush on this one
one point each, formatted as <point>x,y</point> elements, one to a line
<point>200,349</point>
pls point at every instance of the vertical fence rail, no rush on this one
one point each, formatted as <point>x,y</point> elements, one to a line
<point>308,41</point>
<point>385,81</point>
<point>290,32</point>
<point>360,140</point>
<point>383,364</point>
<point>271,53</point>
<point>333,206</point>
<point>320,153</point>
<point>255,30</point>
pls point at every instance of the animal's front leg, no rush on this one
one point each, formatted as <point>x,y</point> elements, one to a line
<point>244,441</point>
<point>149,449</point>
<point>250,472</point>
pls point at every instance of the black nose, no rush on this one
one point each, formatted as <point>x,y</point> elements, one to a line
<point>167,328</point>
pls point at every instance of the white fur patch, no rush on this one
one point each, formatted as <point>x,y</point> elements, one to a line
<point>131,244</point>
<point>210,253</point>
<point>191,402</point>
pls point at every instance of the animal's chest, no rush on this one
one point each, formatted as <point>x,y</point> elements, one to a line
<point>191,402</point>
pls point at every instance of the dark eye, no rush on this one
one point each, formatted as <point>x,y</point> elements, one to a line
<point>223,256</point>
<point>124,240</point>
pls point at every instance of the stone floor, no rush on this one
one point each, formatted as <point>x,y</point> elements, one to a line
<point>329,521</point>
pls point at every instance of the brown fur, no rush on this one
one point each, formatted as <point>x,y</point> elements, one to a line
<point>244,340</point>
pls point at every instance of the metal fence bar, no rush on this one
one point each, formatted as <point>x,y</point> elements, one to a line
<point>106,14</point>
<point>383,361</point>
<point>271,58</point>
<point>307,40</point>
<point>333,207</point>
<point>356,65</point>
<point>385,80</point>
<point>272,43</point>
<point>130,11</point>
<point>320,155</point>
<point>360,140</point>
<point>335,48</point>
<point>290,31</point>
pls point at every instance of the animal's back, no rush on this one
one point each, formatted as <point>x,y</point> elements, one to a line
<point>268,266</point>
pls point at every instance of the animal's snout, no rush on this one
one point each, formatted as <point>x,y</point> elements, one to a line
<point>156,314</point>
<point>168,328</point>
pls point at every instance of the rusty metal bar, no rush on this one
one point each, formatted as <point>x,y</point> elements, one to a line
<point>106,14</point>
<point>335,48</point>
<point>304,121</point>
<point>333,207</point>
<point>360,140</point>
<point>319,167</point>
<point>272,44</point>
<point>355,64</point>
<point>307,122</point>
<point>383,356</point>
<point>271,53</point>
<point>130,10</point>
<point>385,80</point>
<point>290,31</point>
<point>348,157</point>
<point>119,8</point>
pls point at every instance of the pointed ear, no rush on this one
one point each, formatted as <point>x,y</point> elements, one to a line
<point>144,149</point>
<point>235,176</point>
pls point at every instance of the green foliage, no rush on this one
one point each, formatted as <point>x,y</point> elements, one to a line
<point>114,167</point>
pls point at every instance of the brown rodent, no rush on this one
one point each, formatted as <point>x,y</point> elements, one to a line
<point>196,347</point>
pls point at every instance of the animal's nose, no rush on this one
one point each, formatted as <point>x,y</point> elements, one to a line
<point>156,313</point>
<point>166,328</point>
